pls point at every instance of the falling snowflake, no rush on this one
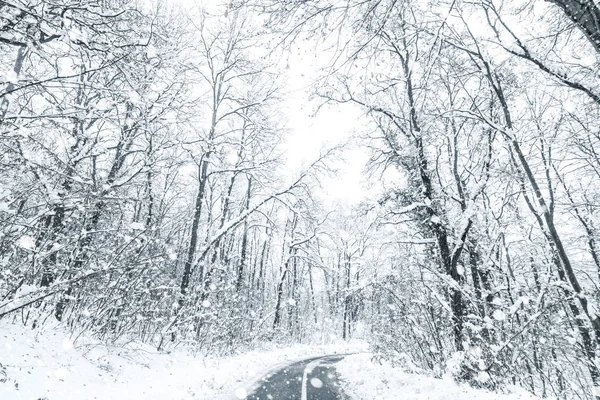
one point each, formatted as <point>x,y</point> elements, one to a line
<point>26,242</point>
<point>241,393</point>
<point>316,382</point>
<point>499,315</point>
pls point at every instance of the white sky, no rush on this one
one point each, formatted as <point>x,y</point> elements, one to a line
<point>333,124</point>
<point>309,134</point>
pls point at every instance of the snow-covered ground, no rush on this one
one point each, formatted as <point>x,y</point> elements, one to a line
<point>367,379</point>
<point>46,364</point>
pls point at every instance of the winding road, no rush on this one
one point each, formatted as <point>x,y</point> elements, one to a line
<point>311,379</point>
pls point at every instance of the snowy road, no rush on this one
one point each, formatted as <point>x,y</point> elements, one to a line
<point>312,379</point>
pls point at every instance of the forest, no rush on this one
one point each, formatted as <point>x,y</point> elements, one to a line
<point>146,193</point>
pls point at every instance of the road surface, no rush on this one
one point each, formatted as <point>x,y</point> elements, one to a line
<point>311,379</point>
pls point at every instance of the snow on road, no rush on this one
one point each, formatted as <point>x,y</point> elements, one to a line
<point>310,379</point>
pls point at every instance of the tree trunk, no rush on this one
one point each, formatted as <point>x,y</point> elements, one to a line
<point>242,263</point>
<point>189,260</point>
<point>585,14</point>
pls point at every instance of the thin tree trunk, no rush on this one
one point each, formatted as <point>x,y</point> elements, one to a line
<point>242,264</point>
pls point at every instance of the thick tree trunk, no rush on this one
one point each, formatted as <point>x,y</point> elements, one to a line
<point>448,259</point>
<point>242,263</point>
<point>279,294</point>
<point>189,260</point>
<point>285,269</point>
<point>585,14</point>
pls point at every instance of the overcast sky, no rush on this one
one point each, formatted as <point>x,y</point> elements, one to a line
<point>310,133</point>
<point>332,124</point>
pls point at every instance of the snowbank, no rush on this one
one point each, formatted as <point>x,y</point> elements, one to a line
<point>46,364</point>
<point>365,379</point>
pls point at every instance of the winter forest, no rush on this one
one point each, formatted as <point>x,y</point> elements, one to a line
<point>147,192</point>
